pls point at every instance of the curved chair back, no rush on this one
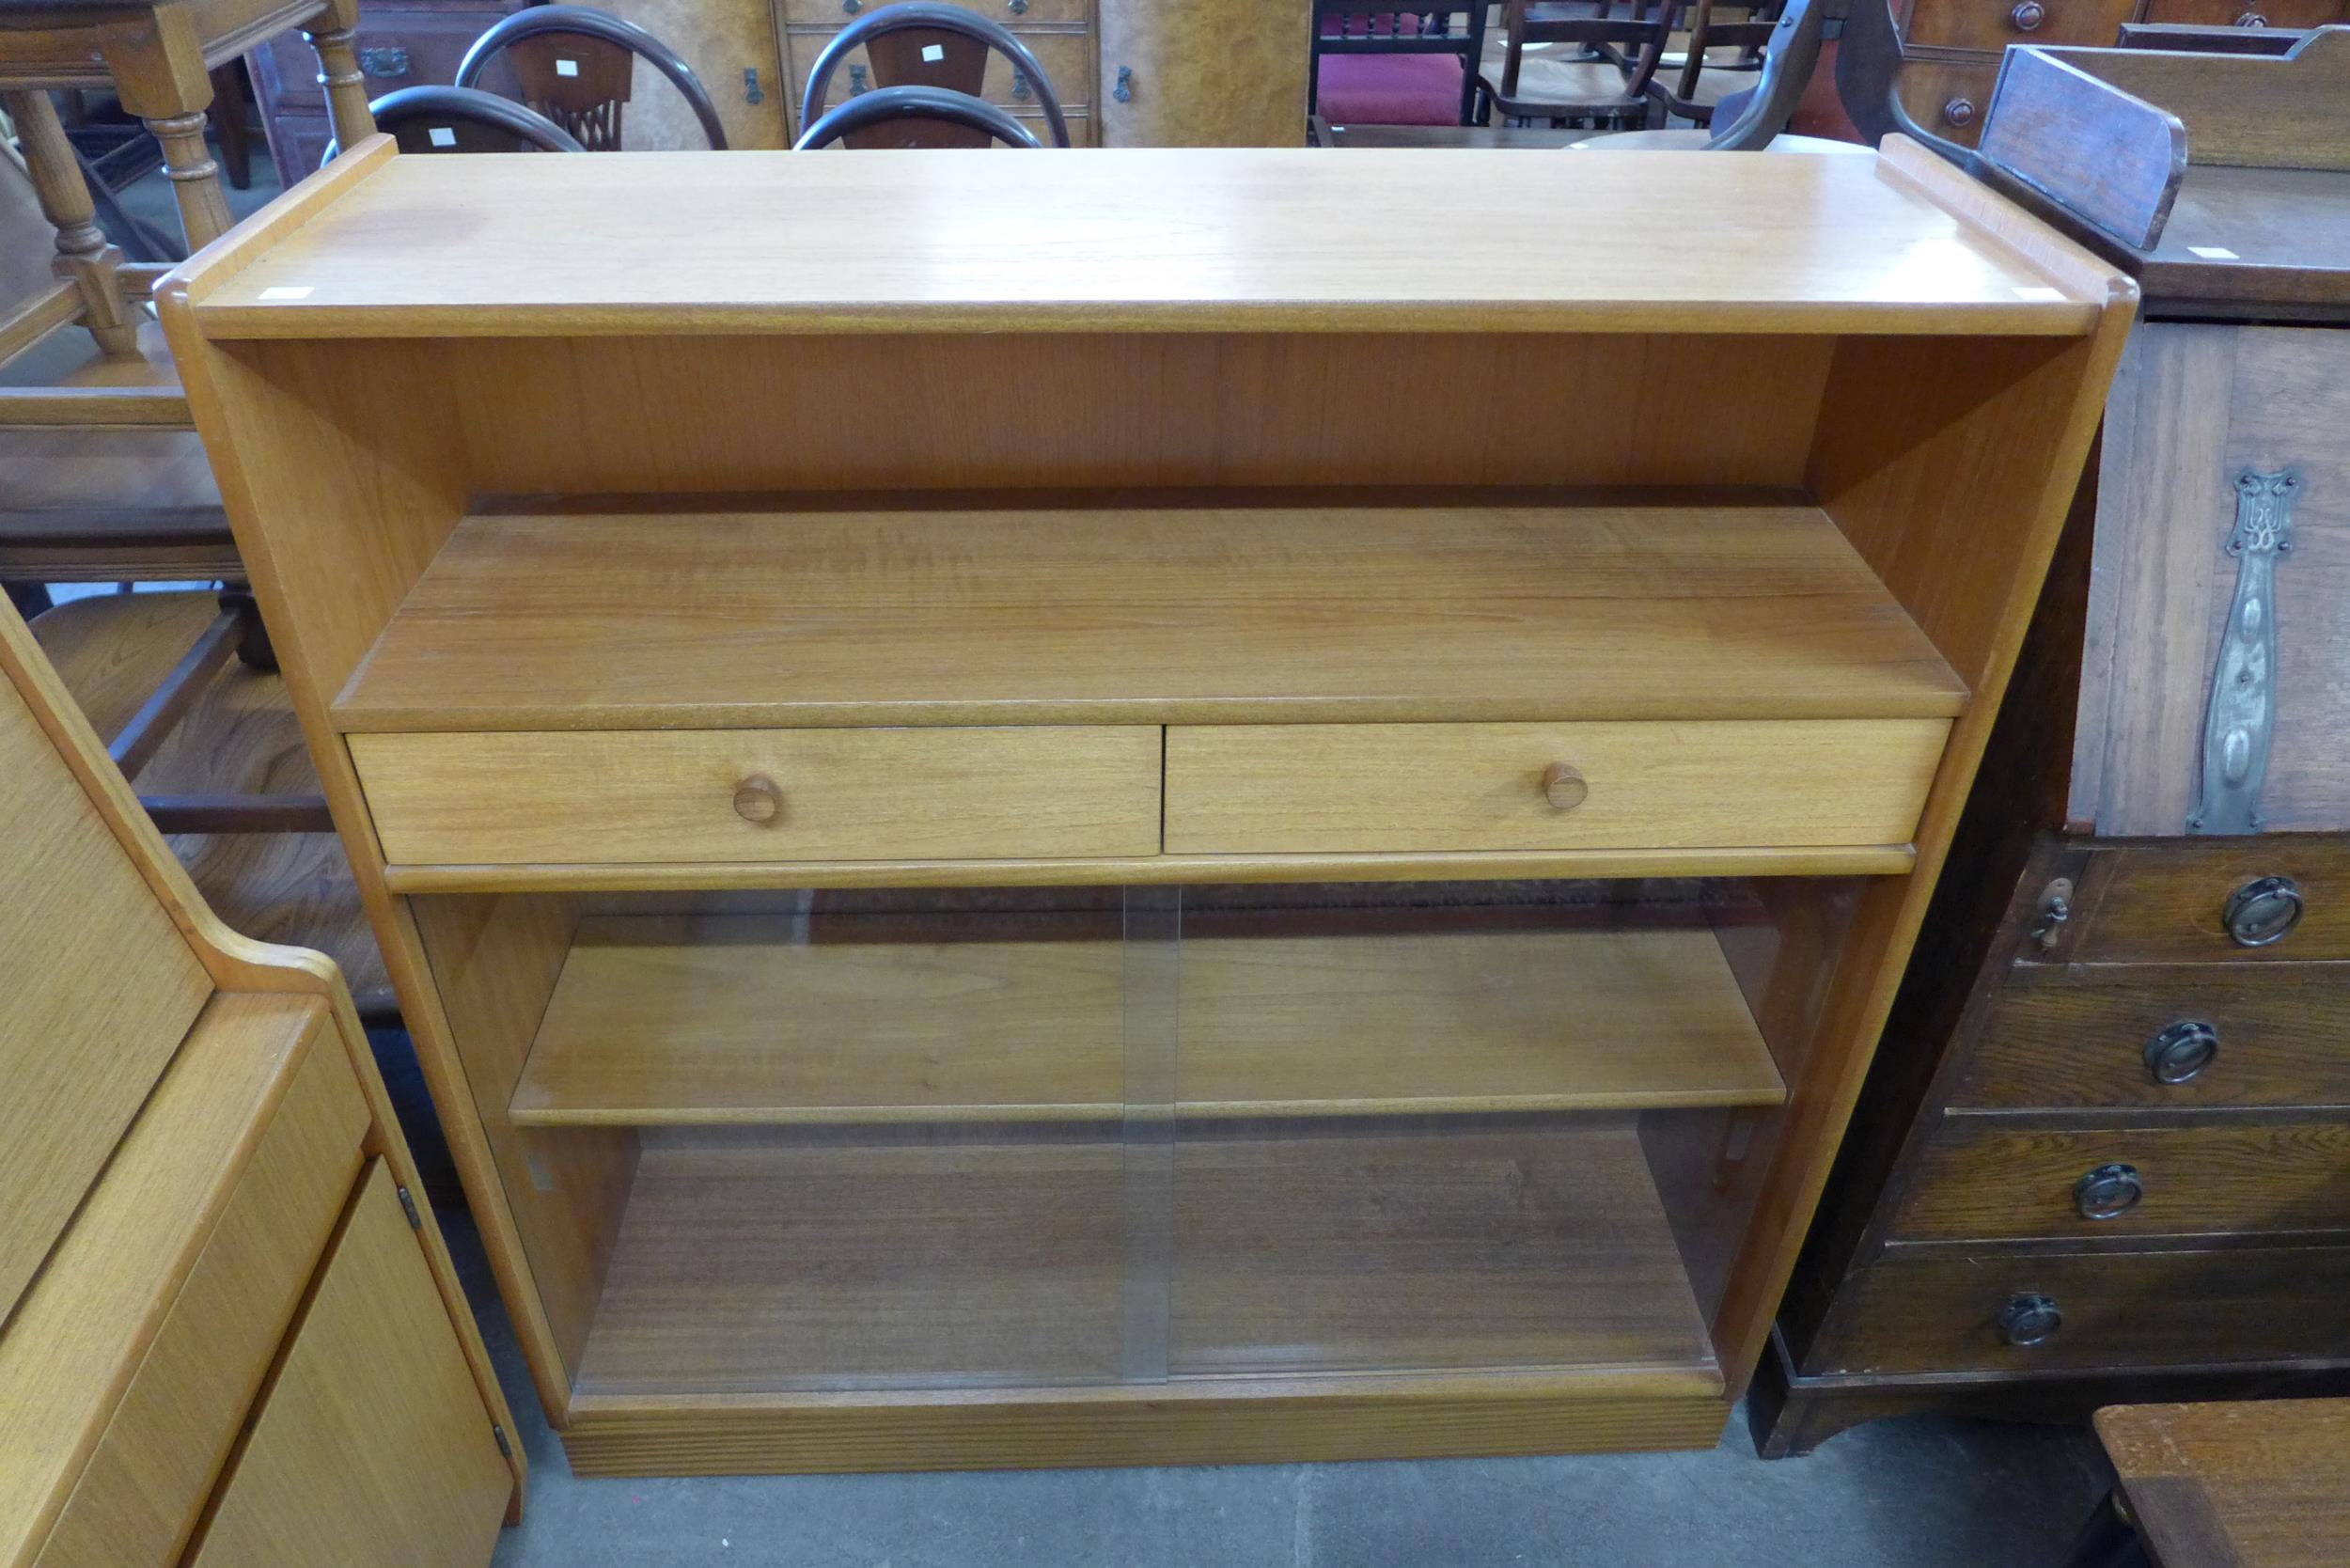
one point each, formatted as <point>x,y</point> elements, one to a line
<point>1747,121</point>
<point>463,119</point>
<point>896,117</point>
<point>922,43</point>
<point>575,63</point>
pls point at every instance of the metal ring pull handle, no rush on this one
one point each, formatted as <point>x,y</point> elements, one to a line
<point>2108,1192</point>
<point>2030,1318</point>
<point>2180,1051</point>
<point>2263,910</point>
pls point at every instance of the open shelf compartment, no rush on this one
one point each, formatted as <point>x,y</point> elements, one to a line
<point>1158,609</point>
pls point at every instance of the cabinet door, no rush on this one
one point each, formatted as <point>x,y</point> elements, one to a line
<point>1206,73</point>
<point>373,1448</point>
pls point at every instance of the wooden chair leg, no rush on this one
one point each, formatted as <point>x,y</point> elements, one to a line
<point>330,33</point>
<point>157,61</point>
<point>83,253</point>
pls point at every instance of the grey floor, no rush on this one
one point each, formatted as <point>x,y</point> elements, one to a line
<point>1912,1492</point>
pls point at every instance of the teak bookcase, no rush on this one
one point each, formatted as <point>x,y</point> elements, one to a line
<point>1138,806</point>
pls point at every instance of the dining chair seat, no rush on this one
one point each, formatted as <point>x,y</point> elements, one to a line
<point>1555,84</point>
<point>1390,89</point>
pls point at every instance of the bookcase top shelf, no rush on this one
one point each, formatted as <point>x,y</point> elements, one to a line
<point>1150,240</point>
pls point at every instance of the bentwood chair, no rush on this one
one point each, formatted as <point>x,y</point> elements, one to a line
<point>1396,66</point>
<point>909,117</point>
<point>1755,120</point>
<point>1722,56</point>
<point>921,43</point>
<point>1586,64</point>
<point>463,119</point>
<point>575,64</point>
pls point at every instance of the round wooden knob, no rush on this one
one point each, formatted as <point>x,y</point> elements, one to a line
<point>1563,787</point>
<point>2027,16</point>
<point>757,800</point>
<point>1958,111</point>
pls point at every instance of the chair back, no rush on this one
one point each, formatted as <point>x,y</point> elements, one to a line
<point>463,119</point>
<point>1741,30</point>
<point>901,118</point>
<point>574,64</point>
<point>1747,121</point>
<point>921,43</point>
<point>1868,81</point>
<point>1342,28</point>
<point>1631,34</point>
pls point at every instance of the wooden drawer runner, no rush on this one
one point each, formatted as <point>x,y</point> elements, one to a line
<point>373,1448</point>
<point>2169,902</point>
<point>153,1467</point>
<point>2113,1311</point>
<point>2275,1034</point>
<point>1248,789</point>
<point>1981,1181</point>
<point>639,796</point>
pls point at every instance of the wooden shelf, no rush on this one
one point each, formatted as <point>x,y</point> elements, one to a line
<point>1746,605</point>
<point>1189,239</point>
<point>745,1266</point>
<point>729,1019</point>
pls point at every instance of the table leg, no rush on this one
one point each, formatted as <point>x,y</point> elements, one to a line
<point>83,253</point>
<point>157,62</point>
<point>330,34</point>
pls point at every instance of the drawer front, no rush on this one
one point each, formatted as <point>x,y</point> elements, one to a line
<point>2252,900</point>
<point>1247,789</point>
<point>1067,59</point>
<point>1993,24</point>
<point>2090,1311</point>
<point>639,796</point>
<point>2249,13</point>
<point>2174,1036</point>
<point>1980,1180</point>
<point>1011,13</point>
<point>396,49</point>
<point>374,1449</point>
<point>1949,98</point>
<point>146,1481</point>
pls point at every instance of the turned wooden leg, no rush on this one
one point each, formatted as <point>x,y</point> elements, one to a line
<point>157,62</point>
<point>330,33</point>
<point>83,253</point>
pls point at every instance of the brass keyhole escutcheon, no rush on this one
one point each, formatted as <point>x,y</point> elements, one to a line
<point>1563,786</point>
<point>757,800</point>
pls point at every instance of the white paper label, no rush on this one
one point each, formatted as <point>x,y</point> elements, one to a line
<point>567,68</point>
<point>2215,252</point>
<point>933,52</point>
<point>443,136</point>
<point>284,291</point>
<point>2038,295</point>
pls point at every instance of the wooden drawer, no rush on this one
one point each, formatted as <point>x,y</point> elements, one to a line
<point>1246,789</point>
<point>2114,1311</point>
<point>2267,1034</point>
<point>1981,1180</point>
<point>635,796</point>
<point>1990,25</point>
<point>396,48</point>
<point>2249,13</point>
<point>153,1466</point>
<point>1948,97</point>
<point>374,1448</point>
<point>1067,59</point>
<point>2169,902</point>
<point>1011,13</point>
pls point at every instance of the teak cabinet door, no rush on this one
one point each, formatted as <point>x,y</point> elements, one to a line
<point>372,1449</point>
<point>1204,74</point>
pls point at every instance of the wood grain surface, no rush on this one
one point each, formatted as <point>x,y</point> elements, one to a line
<point>1485,607</point>
<point>2167,903</point>
<point>742,1018</point>
<point>1279,239</point>
<point>2241,1484</point>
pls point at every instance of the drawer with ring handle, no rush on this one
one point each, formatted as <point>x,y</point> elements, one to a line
<point>2168,1036</point>
<point>2279,896</point>
<point>1982,1180</point>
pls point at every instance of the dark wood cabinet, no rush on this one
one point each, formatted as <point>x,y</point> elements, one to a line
<point>415,44</point>
<point>2104,1153</point>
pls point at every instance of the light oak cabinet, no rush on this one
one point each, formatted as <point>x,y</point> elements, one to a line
<point>1133,916</point>
<point>233,1333</point>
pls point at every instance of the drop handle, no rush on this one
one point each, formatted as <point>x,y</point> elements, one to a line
<point>2181,1050</point>
<point>2108,1192</point>
<point>1563,786</point>
<point>2263,912</point>
<point>2030,1318</point>
<point>757,800</point>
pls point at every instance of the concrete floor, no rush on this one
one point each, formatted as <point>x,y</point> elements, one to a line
<point>1911,1493</point>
